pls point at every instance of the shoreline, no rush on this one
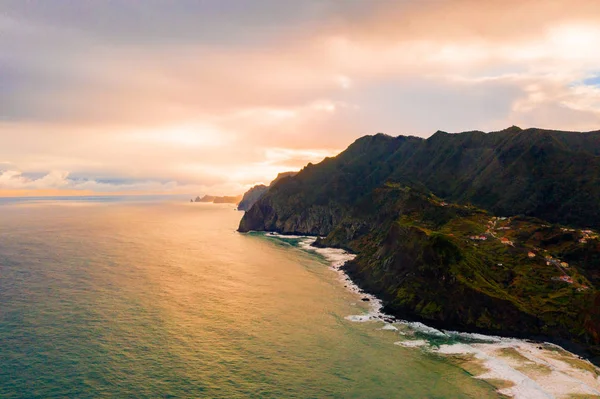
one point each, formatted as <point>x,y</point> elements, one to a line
<point>525,368</point>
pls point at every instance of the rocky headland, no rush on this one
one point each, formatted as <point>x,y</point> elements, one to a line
<point>481,232</point>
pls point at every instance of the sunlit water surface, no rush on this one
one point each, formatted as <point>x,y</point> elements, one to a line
<point>122,299</point>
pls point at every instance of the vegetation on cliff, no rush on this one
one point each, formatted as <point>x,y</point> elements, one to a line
<point>457,267</point>
<point>551,175</point>
<point>495,268</point>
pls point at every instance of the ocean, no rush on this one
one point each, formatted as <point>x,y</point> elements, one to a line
<point>120,298</point>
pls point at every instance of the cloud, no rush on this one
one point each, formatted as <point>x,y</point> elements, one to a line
<point>16,180</point>
<point>16,183</point>
<point>224,94</point>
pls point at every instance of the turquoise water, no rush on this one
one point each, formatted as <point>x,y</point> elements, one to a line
<point>165,300</point>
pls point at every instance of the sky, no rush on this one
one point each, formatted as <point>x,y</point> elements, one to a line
<point>195,97</point>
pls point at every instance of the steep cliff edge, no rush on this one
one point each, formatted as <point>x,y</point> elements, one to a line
<point>251,196</point>
<point>459,268</point>
<point>266,215</point>
<point>453,265</point>
<point>255,193</point>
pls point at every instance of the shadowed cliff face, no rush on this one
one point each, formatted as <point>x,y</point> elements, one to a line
<point>255,193</point>
<point>415,251</point>
<point>251,196</point>
<point>268,216</point>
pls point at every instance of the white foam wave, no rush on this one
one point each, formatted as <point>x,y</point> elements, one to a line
<point>473,336</point>
<point>412,344</point>
<point>420,327</point>
<point>289,236</point>
<point>389,327</point>
<point>524,387</point>
<point>358,318</point>
<point>337,258</point>
<point>565,378</point>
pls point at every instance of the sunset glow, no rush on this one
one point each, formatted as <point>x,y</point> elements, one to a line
<point>199,97</point>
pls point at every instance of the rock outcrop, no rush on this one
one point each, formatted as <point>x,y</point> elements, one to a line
<point>255,193</point>
<point>251,196</point>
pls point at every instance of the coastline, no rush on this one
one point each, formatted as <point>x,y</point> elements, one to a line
<point>516,367</point>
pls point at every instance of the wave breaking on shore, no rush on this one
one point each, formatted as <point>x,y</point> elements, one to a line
<point>517,368</point>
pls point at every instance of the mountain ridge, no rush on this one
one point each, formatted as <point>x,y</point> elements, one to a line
<point>495,171</point>
<point>358,201</point>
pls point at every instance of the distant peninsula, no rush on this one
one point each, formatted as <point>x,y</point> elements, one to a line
<point>245,201</point>
<point>218,200</point>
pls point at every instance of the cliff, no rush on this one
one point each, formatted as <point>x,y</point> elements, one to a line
<point>255,193</point>
<point>457,267</point>
<point>426,256</point>
<point>251,196</point>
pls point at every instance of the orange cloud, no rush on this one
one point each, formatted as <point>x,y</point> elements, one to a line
<point>199,114</point>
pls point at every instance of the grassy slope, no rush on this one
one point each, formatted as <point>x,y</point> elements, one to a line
<point>426,266</point>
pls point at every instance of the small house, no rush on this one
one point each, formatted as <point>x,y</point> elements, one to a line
<point>566,279</point>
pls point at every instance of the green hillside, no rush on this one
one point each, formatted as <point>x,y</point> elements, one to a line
<point>471,231</point>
